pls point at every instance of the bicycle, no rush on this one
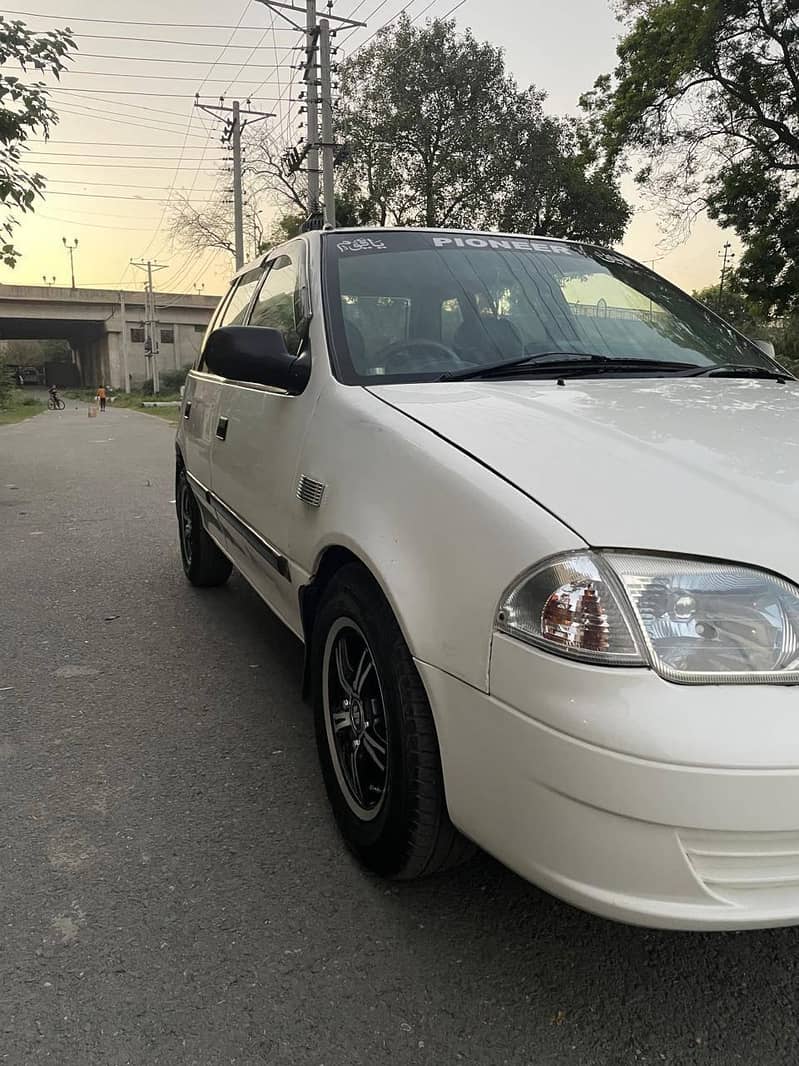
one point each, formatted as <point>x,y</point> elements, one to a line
<point>55,403</point>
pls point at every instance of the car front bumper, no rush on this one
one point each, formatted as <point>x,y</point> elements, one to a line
<point>633,835</point>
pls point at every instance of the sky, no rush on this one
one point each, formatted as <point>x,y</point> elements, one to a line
<point>129,139</point>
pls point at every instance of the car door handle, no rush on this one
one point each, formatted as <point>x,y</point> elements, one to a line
<point>187,409</point>
<point>221,428</point>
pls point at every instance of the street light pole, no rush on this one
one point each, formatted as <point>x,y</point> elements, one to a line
<point>727,257</point>
<point>71,249</point>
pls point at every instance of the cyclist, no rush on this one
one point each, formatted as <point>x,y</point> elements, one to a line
<point>55,400</point>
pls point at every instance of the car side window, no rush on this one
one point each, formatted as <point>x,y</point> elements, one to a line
<point>233,308</point>
<point>236,310</point>
<point>278,302</point>
<point>220,307</point>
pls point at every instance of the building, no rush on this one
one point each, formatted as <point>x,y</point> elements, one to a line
<point>105,330</point>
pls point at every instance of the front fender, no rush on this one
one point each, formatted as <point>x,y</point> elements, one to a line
<point>441,534</point>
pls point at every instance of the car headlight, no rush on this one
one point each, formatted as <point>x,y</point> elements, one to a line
<point>693,622</point>
<point>567,605</point>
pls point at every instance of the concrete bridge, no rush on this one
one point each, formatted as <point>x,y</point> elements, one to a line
<point>105,328</point>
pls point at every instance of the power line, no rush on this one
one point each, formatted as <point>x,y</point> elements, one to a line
<point>108,155</point>
<point>166,40</point>
<point>146,77</point>
<point>160,123</point>
<point>247,63</point>
<point>91,225</point>
<point>166,206</point>
<point>100,144</point>
<point>94,213</point>
<point>112,196</point>
<point>165,59</point>
<point>104,116</point>
<point>121,103</point>
<point>106,166</point>
<point>120,92</point>
<point>367,18</point>
<point>244,11</point>
<point>123,22</point>
<point>106,184</point>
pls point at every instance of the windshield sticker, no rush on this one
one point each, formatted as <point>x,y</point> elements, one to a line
<point>409,240</point>
<point>507,244</point>
<point>361,244</point>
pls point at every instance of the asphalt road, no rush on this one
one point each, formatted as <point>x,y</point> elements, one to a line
<point>172,889</point>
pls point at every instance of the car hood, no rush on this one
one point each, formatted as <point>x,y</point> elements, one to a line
<point>699,467</point>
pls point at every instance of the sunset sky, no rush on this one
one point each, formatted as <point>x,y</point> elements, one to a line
<point>130,139</point>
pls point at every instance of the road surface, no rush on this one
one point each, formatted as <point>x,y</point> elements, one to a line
<point>172,889</point>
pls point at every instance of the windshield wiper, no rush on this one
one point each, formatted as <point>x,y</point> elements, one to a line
<point>739,370</point>
<point>563,362</point>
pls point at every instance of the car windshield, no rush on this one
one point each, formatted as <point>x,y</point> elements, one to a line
<point>408,306</point>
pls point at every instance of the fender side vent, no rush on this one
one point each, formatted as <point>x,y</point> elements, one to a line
<point>310,491</point>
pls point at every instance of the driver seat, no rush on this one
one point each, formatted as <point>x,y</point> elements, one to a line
<point>488,335</point>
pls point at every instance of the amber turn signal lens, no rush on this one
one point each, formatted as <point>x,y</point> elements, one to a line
<point>573,618</point>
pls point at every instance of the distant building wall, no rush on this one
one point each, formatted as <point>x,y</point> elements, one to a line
<point>105,328</point>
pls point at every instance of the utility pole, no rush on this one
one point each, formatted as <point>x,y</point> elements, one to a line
<point>123,340</point>
<point>238,215</point>
<point>328,144</point>
<point>312,96</point>
<point>232,134</point>
<point>727,257</point>
<point>151,338</point>
<point>71,249</point>
<point>316,76</point>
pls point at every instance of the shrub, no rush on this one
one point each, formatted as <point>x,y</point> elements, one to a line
<point>171,381</point>
<point>6,384</point>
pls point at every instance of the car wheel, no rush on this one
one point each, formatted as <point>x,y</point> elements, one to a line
<point>203,563</point>
<point>376,736</point>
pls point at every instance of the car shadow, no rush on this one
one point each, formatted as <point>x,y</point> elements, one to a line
<point>492,950</point>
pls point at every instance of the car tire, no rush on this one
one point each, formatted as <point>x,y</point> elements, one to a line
<point>203,563</point>
<point>371,707</point>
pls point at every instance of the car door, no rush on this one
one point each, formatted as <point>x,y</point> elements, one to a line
<point>255,454</point>
<point>201,398</point>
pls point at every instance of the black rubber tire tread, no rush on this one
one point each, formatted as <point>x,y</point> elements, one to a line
<point>209,566</point>
<point>413,836</point>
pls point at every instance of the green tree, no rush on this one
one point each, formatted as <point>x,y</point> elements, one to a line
<point>438,134</point>
<point>24,110</point>
<point>705,101</point>
<point>555,181</point>
<point>422,112</point>
<point>734,305</point>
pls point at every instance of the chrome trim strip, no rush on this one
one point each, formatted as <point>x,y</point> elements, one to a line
<point>198,486</point>
<point>267,551</point>
<point>253,386</point>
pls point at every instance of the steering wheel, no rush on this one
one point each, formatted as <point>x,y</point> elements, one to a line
<point>425,363</point>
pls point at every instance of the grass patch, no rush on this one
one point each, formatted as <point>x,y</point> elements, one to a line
<point>19,407</point>
<point>132,401</point>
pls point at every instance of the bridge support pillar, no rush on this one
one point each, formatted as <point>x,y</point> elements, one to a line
<point>112,343</point>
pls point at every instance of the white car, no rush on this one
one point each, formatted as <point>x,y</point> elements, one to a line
<point>535,514</point>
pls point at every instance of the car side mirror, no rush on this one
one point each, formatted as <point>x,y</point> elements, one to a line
<point>257,355</point>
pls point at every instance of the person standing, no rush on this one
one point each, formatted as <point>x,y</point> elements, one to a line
<point>102,396</point>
